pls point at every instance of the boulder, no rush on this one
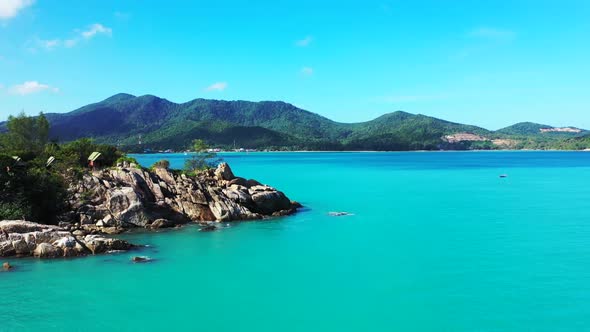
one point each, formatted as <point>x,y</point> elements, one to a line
<point>267,200</point>
<point>126,206</point>
<point>86,219</point>
<point>56,242</point>
<point>7,249</point>
<point>239,194</point>
<point>252,183</point>
<point>21,226</point>
<point>112,230</point>
<point>64,224</point>
<point>22,248</point>
<point>72,252</point>
<point>49,237</point>
<point>46,250</point>
<point>98,244</point>
<point>166,176</point>
<point>224,172</point>
<point>108,221</point>
<point>161,223</point>
<point>90,214</point>
<point>225,209</point>
<point>65,242</point>
<point>79,232</point>
<point>238,181</point>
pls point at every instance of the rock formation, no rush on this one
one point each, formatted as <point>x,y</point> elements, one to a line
<point>112,200</point>
<point>24,238</point>
<point>125,197</point>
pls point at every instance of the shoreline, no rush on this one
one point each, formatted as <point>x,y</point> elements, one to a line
<point>360,151</point>
<point>112,201</point>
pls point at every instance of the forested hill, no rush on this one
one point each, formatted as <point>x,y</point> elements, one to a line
<point>536,129</point>
<point>138,123</point>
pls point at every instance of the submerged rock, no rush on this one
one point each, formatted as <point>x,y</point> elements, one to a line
<point>339,214</point>
<point>208,227</point>
<point>141,259</point>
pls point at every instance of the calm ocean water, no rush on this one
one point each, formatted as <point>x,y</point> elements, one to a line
<point>437,242</point>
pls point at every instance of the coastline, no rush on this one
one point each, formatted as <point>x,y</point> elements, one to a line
<point>360,151</point>
<point>115,200</point>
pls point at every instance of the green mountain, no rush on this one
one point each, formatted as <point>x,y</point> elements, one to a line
<point>536,129</point>
<point>138,123</point>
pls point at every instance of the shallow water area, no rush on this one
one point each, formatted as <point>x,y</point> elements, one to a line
<point>434,242</point>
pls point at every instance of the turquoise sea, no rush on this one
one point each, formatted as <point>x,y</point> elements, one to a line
<point>437,242</point>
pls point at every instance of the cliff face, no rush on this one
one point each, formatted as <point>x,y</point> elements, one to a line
<point>127,196</point>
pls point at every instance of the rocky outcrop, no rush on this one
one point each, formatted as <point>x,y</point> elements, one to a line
<point>24,238</point>
<point>126,196</point>
<point>223,172</point>
<point>112,200</point>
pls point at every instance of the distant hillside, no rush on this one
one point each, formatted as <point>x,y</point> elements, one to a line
<point>530,128</point>
<point>137,123</point>
<point>576,143</point>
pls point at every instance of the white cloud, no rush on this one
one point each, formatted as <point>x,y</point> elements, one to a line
<point>304,42</point>
<point>492,33</point>
<point>95,29</point>
<point>218,86</point>
<point>92,31</point>
<point>10,8</point>
<point>306,71</point>
<point>49,44</point>
<point>30,87</point>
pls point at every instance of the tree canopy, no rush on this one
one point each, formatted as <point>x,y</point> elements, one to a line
<point>30,188</point>
<point>27,136</point>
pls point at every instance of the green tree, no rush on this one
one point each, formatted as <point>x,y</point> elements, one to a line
<point>75,154</point>
<point>202,158</point>
<point>29,189</point>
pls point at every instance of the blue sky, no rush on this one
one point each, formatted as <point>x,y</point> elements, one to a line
<point>489,63</point>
